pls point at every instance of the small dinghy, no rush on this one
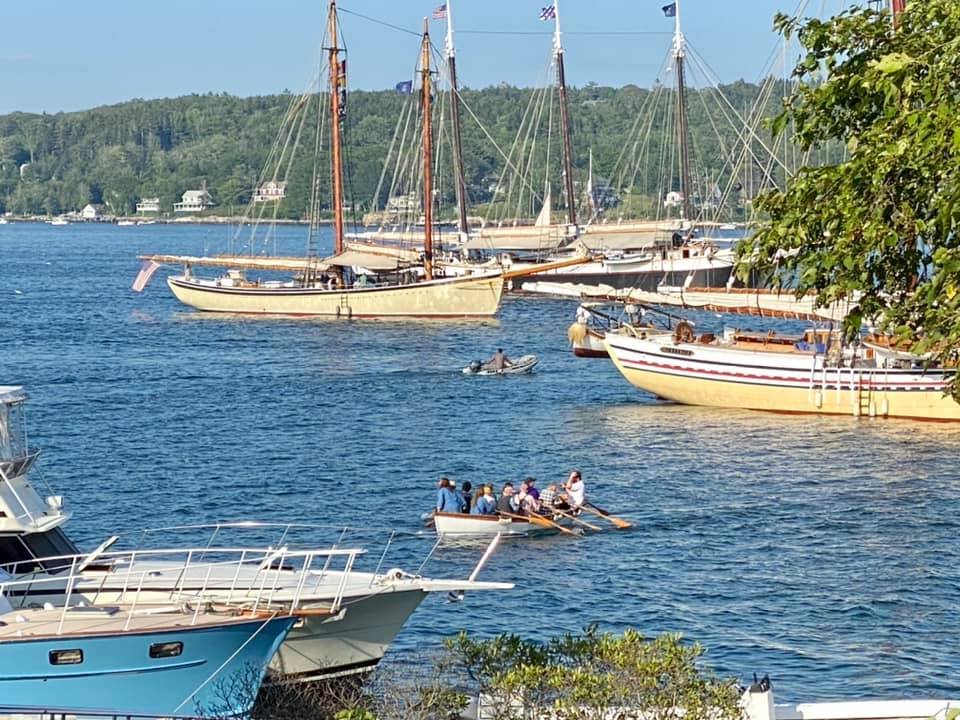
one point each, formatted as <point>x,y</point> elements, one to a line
<point>520,366</point>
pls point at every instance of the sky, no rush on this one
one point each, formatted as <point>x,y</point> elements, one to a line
<point>58,55</point>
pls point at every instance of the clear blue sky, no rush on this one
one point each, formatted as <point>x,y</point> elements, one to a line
<point>61,55</point>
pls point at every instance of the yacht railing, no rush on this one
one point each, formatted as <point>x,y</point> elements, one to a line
<point>257,580</point>
<point>285,531</point>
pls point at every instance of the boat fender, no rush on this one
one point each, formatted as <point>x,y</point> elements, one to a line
<point>683,332</point>
<point>349,312</point>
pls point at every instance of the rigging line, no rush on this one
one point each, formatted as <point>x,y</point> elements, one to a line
<point>588,33</point>
<point>377,21</point>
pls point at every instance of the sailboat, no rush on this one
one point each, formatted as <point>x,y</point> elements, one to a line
<point>390,285</point>
<point>351,615</point>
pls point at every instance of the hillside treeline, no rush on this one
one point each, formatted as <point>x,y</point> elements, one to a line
<point>115,155</point>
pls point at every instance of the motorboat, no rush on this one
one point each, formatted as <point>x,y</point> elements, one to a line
<point>354,614</point>
<point>523,365</point>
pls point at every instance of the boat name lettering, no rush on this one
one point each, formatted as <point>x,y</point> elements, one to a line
<point>676,351</point>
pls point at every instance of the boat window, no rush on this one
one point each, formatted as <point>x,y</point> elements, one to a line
<point>49,544</point>
<point>66,657</point>
<point>24,549</point>
<point>13,436</point>
<point>12,550</point>
<point>167,649</point>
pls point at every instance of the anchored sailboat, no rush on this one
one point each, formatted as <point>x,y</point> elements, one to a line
<point>392,284</point>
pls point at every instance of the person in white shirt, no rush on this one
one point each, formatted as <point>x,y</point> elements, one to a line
<point>576,492</point>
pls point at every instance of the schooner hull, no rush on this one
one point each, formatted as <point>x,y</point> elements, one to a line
<point>693,374</point>
<point>473,296</point>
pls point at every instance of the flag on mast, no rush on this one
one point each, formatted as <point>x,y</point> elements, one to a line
<point>548,13</point>
<point>440,13</point>
<point>670,10</point>
<point>405,87</point>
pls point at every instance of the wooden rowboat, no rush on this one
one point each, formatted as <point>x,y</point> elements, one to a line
<point>455,525</point>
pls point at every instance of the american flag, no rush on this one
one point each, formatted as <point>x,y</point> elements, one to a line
<point>548,13</point>
<point>440,13</point>
<point>147,270</point>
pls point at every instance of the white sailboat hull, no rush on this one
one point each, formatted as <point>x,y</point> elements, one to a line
<point>465,297</point>
<point>785,382</point>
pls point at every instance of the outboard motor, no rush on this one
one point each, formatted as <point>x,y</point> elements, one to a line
<point>757,700</point>
<point>475,366</point>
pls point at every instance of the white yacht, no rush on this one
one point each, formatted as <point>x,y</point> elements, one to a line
<point>349,616</point>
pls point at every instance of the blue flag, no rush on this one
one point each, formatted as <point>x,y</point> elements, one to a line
<point>405,87</point>
<point>670,10</point>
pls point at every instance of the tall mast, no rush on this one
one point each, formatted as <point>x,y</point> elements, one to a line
<point>459,179</point>
<point>896,8</point>
<point>338,79</point>
<point>427,153</point>
<point>679,50</point>
<point>564,120</point>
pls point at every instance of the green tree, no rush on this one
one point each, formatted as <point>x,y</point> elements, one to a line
<point>879,227</point>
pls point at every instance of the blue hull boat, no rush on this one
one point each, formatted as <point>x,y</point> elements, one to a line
<point>210,668</point>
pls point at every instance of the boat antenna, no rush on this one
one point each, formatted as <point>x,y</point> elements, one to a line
<point>425,91</point>
<point>460,177</point>
<point>679,52</point>
<point>564,121</point>
<point>338,90</point>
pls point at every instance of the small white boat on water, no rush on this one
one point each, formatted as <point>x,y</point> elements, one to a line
<point>462,525</point>
<point>58,221</point>
<point>521,366</point>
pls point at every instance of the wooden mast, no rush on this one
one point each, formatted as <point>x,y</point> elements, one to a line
<point>896,9</point>
<point>459,175</point>
<point>682,129</point>
<point>338,78</point>
<point>564,122</point>
<point>427,152</point>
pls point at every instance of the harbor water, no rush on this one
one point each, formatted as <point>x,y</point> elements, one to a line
<point>820,550</point>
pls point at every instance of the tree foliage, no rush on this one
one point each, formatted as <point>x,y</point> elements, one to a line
<point>144,148</point>
<point>878,228</point>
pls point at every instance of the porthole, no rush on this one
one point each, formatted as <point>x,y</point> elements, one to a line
<point>66,657</point>
<point>167,649</point>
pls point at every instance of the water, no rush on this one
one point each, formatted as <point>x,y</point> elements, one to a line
<point>820,550</point>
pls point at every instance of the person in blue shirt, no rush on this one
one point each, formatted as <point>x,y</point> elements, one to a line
<point>486,504</point>
<point>448,499</point>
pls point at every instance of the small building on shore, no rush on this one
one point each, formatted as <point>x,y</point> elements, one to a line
<point>92,211</point>
<point>149,205</point>
<point>270,191</point>
<point>194,201</point>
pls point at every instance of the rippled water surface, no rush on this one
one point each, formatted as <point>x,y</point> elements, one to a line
<point>822,551</point>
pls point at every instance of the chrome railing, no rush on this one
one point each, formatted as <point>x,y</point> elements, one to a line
<point>275,580</point>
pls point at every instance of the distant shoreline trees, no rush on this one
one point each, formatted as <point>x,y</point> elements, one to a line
<point>116,155</point>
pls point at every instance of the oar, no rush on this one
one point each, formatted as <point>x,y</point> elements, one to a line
<point>576,519</point>
<point>539,520</point>
<point>622,524</point>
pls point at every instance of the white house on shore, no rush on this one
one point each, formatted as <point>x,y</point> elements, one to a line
<point>148,205</point>
<point>270,191</point>
<point>194,201</point>
<point>92,211</point>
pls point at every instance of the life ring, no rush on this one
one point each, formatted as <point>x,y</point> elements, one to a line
<point>683,333</point>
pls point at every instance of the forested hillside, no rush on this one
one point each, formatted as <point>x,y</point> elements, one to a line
<point>118,154</point>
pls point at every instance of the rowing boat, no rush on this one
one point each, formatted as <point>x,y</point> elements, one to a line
<point>457,525</point>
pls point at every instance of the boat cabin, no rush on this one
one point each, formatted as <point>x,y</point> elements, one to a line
<point>29,522</point>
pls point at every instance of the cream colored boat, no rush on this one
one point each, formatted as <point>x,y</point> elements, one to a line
<point>464,297</point>
<point>780,375</point>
